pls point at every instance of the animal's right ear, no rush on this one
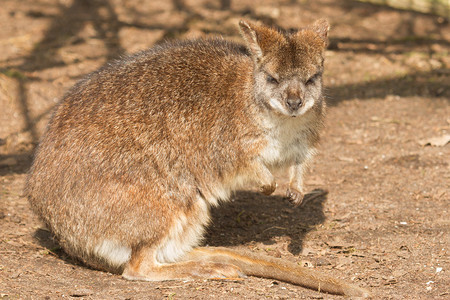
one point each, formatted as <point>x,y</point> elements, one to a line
<point>261,40</point>
<point>251,40</point>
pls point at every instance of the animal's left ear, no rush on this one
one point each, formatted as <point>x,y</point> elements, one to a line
<point>321,27</point>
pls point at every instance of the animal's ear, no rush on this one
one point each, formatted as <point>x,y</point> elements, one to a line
<point>321,27</point>
<point>260,40</point>
<point>248,33</point>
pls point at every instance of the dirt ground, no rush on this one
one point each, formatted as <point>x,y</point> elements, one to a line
<point>382,220</point>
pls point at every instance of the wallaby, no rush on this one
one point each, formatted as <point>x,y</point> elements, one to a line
<point>137,152</point>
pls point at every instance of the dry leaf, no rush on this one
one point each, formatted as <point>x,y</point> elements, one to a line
<point>437,141</point>
<point>81,293</point>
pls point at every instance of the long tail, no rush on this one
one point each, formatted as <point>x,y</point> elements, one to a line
<point>268,267</point>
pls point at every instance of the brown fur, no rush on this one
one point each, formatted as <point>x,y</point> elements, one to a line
<point>137,152</point>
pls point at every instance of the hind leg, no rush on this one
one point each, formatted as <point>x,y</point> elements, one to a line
<point>143,265</point>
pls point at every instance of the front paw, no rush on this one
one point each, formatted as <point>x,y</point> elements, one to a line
<point>268,189</point>
<point>295,196</point>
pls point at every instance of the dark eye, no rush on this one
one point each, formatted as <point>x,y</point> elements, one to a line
<point>272,80</point>
<point>311,80</point>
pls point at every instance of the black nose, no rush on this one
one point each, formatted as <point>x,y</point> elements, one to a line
<point>294,103</point>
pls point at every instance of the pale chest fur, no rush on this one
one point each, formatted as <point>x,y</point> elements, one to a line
<point>289,141</point>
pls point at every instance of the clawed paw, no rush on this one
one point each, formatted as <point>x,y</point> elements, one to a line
<point>295,196</point>
<point>268,189</point>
